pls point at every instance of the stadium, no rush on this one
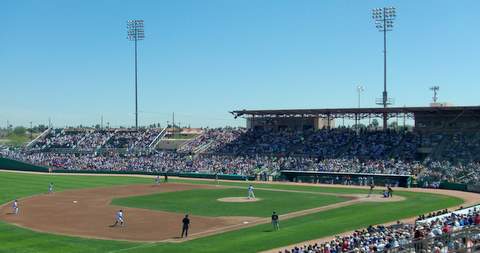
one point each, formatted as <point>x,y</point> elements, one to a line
<point>316,180</point>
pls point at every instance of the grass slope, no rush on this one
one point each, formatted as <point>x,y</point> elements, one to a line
<point>257,238</point>
<point>204,202</point>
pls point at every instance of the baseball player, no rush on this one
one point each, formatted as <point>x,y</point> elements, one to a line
<point>15,207</point>
<point>372,185</point>
<point>157,180</point>
<point>275,221</point>
<point>185,225</point>
<point>50,188</point>
<point>390,191</point>
<point>251,195</point>
<point>119,218</point>
<point>216,177</point>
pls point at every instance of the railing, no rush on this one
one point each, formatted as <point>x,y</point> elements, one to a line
<point>203,148</point>
<point>158,138</point>
<point>189,141</point>
<point>39,137</point>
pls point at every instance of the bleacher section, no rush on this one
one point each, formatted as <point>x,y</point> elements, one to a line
<point>452,156</point>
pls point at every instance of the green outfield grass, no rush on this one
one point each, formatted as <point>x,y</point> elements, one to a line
<point>204,202</point>
<point>253,239</point>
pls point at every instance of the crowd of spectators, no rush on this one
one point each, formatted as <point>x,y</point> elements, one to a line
<point>130,138</point>
<point>212,139</point>
<point>463,147</point>
<point>427,236</point>
<point>236,150</point>
<point>324,143</point>
<point>456,172</point>
<point>383,144</point>
<point>225,164</point>
<point>92,139</point>
<point>60,138</point>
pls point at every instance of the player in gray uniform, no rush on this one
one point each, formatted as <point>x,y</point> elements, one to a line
<point>50,188</point>
<point>15,207</point>
<point>251,195</point>
<point>157,180</point>
<point>119,218</point>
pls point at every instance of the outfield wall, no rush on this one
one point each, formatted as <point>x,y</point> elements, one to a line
<point>341,177</point>
<point>10,164</point>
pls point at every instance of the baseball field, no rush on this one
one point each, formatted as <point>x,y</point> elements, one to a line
<point>78,216</point>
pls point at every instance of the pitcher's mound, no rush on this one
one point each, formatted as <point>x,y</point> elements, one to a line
<point>238,199</point>
<point>379,198</point>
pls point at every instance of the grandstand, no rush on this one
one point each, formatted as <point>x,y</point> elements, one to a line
<point>442,146</point>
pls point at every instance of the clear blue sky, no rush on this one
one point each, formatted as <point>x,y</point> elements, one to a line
<point>70,60</point>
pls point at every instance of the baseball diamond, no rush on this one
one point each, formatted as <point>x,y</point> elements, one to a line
<point>147,220</point>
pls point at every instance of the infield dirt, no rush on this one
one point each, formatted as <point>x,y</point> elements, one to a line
<point>92,214</point>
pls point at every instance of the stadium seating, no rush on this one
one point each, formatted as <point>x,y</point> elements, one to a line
<point>452,156</point>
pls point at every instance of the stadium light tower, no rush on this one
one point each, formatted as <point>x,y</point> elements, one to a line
<point>435,90</point>
<point>384,23</point>
<point>360,89</point>
<point>135,32</point>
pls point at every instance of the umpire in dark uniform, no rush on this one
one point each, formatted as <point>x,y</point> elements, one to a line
<point>275,221</point>
<point>185,225</point>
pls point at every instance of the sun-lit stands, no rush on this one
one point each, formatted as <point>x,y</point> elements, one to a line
<point>61,139</point>
<point>132,138</point>
<point>94,140</point>
<point>147,137</point>
<point>211,139</point>
<point>73,140</point>
<point>467,172</point>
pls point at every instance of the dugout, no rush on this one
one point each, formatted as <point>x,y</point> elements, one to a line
<point>342,177</point>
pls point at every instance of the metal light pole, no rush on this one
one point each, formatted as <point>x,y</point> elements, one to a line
<point>360,89</point>
<point>135,33</point>
<point>384,22</point>
<point>435,93</point>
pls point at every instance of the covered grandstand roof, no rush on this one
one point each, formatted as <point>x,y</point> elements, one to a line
<point>346,112</point>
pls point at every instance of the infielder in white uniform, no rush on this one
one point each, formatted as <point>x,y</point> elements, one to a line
<point>119,218</point>
<point>15,207</point>
<point>157,180</point>
<point>251,195</point>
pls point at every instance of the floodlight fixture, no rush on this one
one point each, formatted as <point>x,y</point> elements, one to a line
<point>384,18</point>
<point>135,32</point>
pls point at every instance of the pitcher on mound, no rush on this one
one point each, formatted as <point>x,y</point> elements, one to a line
<point>251,195</point>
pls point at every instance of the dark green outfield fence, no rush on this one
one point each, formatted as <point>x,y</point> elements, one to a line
<point>454,186</point>
<point>9,164</point>
<point>187,175</point>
